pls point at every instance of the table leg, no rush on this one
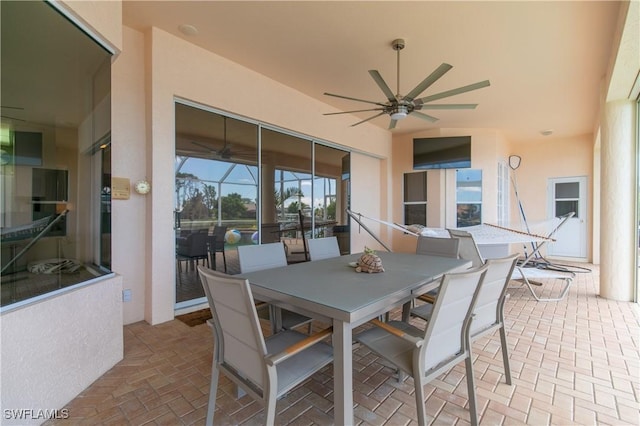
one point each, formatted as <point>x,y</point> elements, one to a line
<point>275,315</point>
<point>342,373</point>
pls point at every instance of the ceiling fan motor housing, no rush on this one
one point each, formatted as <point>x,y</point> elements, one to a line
<point>398,44</point>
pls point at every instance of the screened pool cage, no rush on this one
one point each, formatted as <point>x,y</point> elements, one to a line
<point>212,192</point>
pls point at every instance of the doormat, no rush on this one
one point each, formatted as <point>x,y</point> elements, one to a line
<point>195,318</point>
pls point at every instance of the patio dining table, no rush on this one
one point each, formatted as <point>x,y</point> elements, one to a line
<point>331,291</point>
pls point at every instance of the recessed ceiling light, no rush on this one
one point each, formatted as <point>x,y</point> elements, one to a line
<point>546,132</point>
<point>188,29</point>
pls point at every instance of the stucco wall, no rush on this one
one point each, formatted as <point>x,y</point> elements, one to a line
<point>551,158</point>
<point>129,221</point>
<point>54,349</point>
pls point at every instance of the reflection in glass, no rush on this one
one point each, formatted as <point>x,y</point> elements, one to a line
<point>468,197</point>
<point>217,182</point>
<point>55,212</point>
<point>564,207</point>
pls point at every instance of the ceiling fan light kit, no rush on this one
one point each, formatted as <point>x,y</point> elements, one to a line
<point>398,107</point>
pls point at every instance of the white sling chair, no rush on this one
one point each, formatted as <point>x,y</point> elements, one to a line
<point>467,247</point>
<point>266,256</point>
<point>425,354</point>
<point>488,314</point>
<point>265,368</point>
<point>435,246</point>
<point>323,248</point>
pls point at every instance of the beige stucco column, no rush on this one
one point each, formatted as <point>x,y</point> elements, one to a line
<point>617,245</point>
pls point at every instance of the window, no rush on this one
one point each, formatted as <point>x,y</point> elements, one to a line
<point>55,169</point>
<point>415,198</point>
<point>468,197</point>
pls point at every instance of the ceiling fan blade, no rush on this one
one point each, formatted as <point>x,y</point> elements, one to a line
<point>383,85</point>
<point>392,124</point>
<point>12,118</point>
<point>424,116</point>
<point>453,92</point>
<point>439,72</point>
<point>201,145</point>
<point>370,118</point>
<point>446,106</point>
<point>358,110</point>
<point>353,99</point>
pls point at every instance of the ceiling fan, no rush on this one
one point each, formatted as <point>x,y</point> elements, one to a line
<point>398,106</point>
<point>226,152</point>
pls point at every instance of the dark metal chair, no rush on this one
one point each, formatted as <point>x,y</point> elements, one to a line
<point>192,249</point>
<point>216,245</point>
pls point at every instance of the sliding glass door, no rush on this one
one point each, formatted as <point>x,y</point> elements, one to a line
<point>241,182</point>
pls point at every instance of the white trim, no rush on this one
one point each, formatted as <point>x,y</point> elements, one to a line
<point>84,26</point>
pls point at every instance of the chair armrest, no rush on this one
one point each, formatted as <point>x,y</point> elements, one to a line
<point>299,346</point>
<point>427,298</point>
<point>397,332</point>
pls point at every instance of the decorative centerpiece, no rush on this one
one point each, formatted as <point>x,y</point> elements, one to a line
<point>369,262</point>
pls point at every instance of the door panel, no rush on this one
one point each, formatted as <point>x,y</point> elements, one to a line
<point>569,195</point>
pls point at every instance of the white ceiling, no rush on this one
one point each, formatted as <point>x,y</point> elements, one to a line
<point>545,60</point>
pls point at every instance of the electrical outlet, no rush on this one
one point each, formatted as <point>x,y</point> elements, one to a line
<point>126,295</point>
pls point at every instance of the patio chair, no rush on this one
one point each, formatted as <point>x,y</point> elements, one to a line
<point>426,354</point>
<point>323,248</point>
<point>467,247</point>
<point>216,245</point>
<point>192,249</point>
<point>435,246</point>
<point>305,250</point>
<point>488,314</point>
<point>264,368</point>
<point>266,256</point>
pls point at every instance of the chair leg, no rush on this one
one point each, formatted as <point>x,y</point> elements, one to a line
<point>505,355</point>
<point>471,390</point>
<point>213,389</point>
<point>224,260</point>
<point>419,389</point>
<point>270,409</point>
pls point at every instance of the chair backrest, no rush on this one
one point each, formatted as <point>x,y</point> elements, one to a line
<point>219,233</point>
<point>301,218</point>
<point>263,256</point>
<point>196,245</point>
<point>323,248</point>
<point>467,249</point>
<point>239,341</point>
<point>447,330</point>
<point>435,246</point>
<point>487,312</point>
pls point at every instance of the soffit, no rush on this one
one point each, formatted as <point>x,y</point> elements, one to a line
<point>545,60</point>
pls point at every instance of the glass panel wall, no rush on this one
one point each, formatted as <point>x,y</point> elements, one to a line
<point>298,191</point>
<point>55,168</point>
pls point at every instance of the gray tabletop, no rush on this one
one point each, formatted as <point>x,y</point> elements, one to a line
<point>332,288</point>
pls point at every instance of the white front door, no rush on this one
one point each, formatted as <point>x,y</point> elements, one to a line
<point>569,195</point>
